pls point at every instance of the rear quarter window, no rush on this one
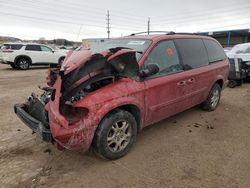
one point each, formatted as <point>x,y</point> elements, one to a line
<point>12,46</point>
<point>214,50</point>
<point>193,52</point>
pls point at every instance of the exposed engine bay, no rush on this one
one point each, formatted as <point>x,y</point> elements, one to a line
<point>98,70</point>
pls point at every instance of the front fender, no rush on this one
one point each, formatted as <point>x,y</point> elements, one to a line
<point>108,107</point>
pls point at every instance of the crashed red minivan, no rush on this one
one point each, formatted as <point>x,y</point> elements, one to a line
<point>104,96</point>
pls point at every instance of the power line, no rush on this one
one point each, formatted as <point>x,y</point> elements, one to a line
<point>58,21</point>
<point>89,18</point>
<point>211,13</point>
<point>31,9</point>
<point>182,14</point>
<point>65,7</point>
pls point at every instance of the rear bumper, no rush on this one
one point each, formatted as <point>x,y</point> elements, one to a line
<point>34,124</point>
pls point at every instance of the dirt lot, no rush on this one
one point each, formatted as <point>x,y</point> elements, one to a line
<point>192,149</point>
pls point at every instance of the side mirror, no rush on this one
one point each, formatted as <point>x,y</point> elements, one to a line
<point>150,70</point>
<point>53,51</point>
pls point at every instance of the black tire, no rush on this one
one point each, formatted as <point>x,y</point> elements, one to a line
<point>13,65</point>
<point>213,98</point>
<point>239,82</point>
<point>113,127</point>
<point>232,83</point>
<point>23,63</point>
<point>60,61</point>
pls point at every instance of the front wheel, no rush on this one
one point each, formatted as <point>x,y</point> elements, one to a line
<point>61,60</point>
<point>115,135</point>
<point>213,99</point>
<point>23,63</point>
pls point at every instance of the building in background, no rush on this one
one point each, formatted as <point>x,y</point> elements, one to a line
<point>230,38</point>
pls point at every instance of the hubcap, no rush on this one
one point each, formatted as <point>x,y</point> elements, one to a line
<point>215,98</point>
<point>119,136</point>
<point>23,64</point>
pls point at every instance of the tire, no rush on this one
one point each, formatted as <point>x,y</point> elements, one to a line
<point>115,135</point>
<point>213,99</point>
<point>23,63</point>
<point>239,82</point>
<point>232,83</point>
<point>60,61</point>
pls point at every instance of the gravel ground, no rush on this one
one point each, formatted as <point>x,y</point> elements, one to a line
<point>192,149</point>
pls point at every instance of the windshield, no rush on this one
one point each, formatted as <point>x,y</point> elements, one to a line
<point>135,44</point>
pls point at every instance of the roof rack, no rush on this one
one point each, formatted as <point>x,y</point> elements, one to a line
<point>146,32</point>
<point>188,33</point>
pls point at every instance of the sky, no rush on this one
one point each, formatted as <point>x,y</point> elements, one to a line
<point>78,19</point>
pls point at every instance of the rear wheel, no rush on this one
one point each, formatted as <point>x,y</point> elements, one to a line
<point>115,135</point>
<point>23,63</point>
<point>213,99</point>
<point>232,83</point>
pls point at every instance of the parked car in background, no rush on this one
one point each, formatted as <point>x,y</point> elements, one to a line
<point>239,57</point>
<point>22,56</point>
<point>227,49</point>
<point>104,96</point>
<point>241,51</point>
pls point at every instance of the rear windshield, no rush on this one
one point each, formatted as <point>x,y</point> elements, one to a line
<point>135,44</point>
<point>12,46</point>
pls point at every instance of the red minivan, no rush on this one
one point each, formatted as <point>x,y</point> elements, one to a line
<point>104,96</point>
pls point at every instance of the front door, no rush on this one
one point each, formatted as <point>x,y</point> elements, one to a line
<point>167,91</point>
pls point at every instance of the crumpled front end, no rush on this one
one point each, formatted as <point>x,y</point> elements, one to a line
<point>34,115</point>
<point>81,74</point>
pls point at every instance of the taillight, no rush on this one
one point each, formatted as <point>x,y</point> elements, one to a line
<point>73,114</point>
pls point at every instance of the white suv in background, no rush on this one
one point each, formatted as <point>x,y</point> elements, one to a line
<point>241,51</point>
<point>22,56</point>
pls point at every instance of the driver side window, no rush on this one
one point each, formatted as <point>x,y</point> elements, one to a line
<point>46,49</point>
<point>166,57</point>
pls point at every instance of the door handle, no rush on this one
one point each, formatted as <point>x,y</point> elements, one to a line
<point>191,80</point>
<point>181,83</point>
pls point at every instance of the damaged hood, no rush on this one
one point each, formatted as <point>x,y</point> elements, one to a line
<point>117,61</point>
<point>120,58</point>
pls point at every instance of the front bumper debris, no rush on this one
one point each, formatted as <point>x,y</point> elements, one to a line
<point>34,124</point>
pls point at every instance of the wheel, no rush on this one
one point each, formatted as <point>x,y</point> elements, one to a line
<point>239,82</point>
<point>213,98</point>
<point>61,60</point>
<point>232,83</point>
<point>23,63</point>
<point>13,65</point>
<point>115,135</point>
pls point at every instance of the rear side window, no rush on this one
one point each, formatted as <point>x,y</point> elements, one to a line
<point>33,48</point>
<point>193,52</point>
<point>214,50</point>
<point>12,46</point>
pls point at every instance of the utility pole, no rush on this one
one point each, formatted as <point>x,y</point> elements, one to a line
<point>148,25</point>
<point>108,24</point>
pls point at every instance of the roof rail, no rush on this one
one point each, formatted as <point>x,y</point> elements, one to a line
<point>188,33</point>
<point>146,32</point>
